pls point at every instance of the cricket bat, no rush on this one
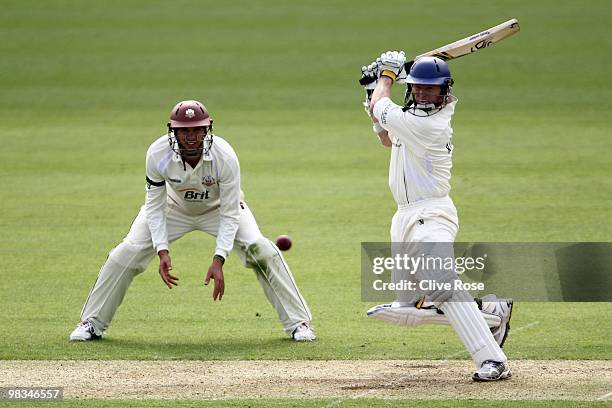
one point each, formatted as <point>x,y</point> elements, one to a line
<point>474,42</point>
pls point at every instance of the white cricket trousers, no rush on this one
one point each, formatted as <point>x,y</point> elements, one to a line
<point>133,255</point>
<point>435,220</point>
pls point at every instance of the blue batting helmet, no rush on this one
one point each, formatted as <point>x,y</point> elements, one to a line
<point>429,71</point>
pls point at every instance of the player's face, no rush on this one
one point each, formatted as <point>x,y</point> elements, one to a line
<point>427,94</point>
<point>191,140</point>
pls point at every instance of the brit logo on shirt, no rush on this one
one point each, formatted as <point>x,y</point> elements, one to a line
<point>208,180</point>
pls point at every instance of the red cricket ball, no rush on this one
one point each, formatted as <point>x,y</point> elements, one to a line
<point>283,242</point>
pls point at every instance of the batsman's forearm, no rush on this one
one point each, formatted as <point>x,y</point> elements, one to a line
<point>383,89</point>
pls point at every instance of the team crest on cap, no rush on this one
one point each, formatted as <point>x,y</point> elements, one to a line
<point>190,113</point>
<point>208,180</point>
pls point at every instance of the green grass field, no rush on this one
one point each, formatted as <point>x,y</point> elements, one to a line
<point>86,87</point>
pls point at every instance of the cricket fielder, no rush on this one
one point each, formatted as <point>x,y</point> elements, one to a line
<point>420,137</point>
<point>193,183</point>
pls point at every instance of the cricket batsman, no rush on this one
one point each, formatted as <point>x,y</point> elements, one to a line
<point>419,134</point>
<point>193,183</point>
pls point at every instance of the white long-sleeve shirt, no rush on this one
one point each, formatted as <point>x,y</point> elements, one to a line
<point>421,152</point>
<point>213,183</point>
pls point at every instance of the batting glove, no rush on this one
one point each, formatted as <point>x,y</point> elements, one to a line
<point>370,74</point>
<point>369,78</point>
<point>392,63</point>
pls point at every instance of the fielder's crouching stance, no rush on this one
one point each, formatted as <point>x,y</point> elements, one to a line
<point>193,183</point>
<point>420,137</point>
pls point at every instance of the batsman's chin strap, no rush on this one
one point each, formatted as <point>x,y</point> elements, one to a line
<point>427,107</point>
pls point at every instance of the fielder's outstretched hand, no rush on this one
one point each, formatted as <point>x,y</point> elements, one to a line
<point>216,273</point>
<point>165,266</point>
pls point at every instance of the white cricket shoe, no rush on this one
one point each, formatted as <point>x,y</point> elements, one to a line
<point>84,331</point>
<point>499,307</point>
<point>303,332</point>
<point>492,371</point>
